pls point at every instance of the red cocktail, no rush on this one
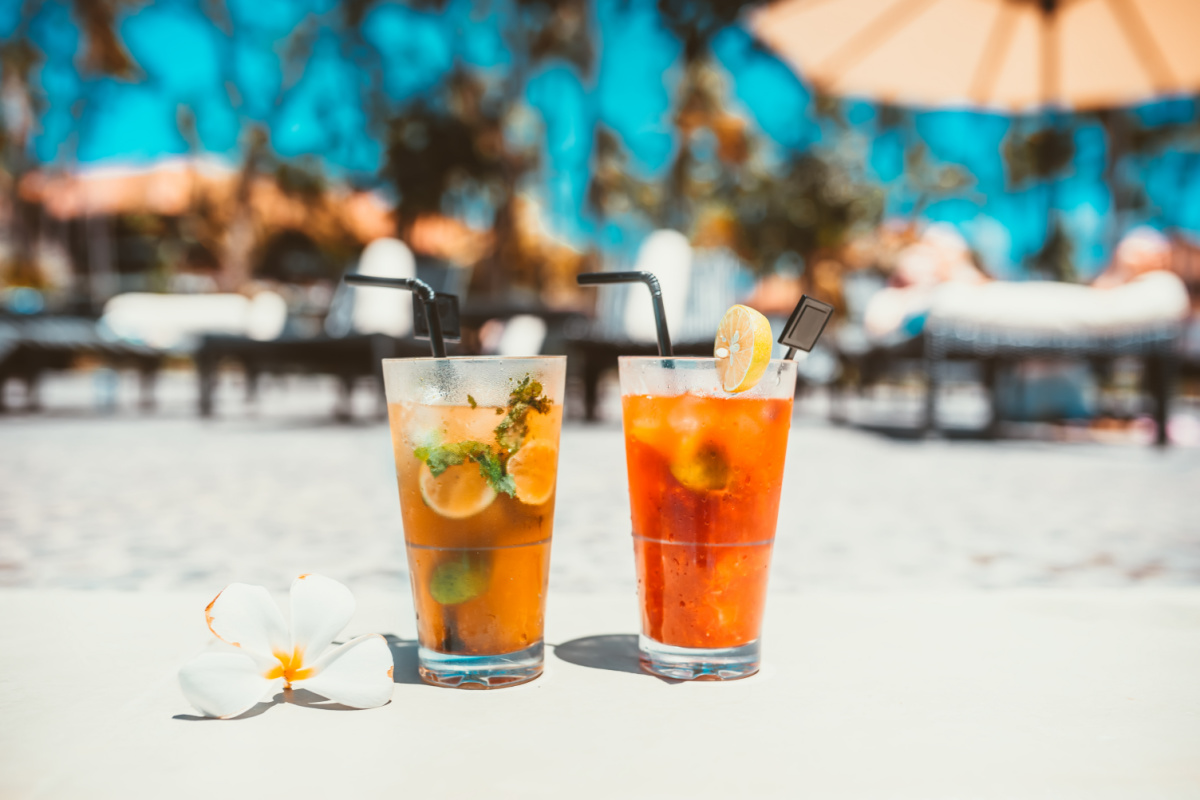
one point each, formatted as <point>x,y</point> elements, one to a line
<point>705,475</point>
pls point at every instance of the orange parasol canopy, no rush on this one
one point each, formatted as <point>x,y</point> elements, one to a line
<point>1012,55</point>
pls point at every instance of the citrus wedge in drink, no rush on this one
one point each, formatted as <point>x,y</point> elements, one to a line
<point>459,580</point>
<point>701,465</point>
<point>533,469</point>
<point>742,349</point>
<point>458,492</point>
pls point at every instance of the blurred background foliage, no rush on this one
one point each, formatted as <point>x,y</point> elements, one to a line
<point>526,119</point>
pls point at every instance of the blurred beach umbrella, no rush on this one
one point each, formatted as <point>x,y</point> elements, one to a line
<point>165,187</point>
<point>176,187</point>
<point>1010,55</point>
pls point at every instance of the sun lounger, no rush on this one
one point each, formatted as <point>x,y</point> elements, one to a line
<point>32,346</point>
<point>1001,324</point>
<point>363,327</point>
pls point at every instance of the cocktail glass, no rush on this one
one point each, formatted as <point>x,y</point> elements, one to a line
<point>476,444</point>
<point>705,474</point>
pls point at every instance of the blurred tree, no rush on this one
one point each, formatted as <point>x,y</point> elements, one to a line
<point>1042,150</point>
<point>1038,155</point>
<point>237,230</point>
<point>1131,141</point>
<point>1055,260</point>
<point>105,53</point>
<point>697,22</point>
<point>727,184</point>
<point>21,106</point>
<point>613,191</point>
<point>805,206</point>
<point>700,115</point>
<point>454,150</point>
<point>469,149</point>
<point>927,179</point>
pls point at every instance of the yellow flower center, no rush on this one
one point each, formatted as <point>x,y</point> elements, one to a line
<point>291,667</point>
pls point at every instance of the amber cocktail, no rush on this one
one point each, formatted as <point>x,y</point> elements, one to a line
<point>705,474</point>
<point>476,444</point>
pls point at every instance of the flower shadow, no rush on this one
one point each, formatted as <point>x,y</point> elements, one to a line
<point>303,697</point>
<point>617,652</point>
<point>261,708</point>
<point>298,697</point>
<point>404,670</point>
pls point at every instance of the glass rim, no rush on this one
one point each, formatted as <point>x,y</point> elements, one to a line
<point>691,359</point>
<point>473,358</point>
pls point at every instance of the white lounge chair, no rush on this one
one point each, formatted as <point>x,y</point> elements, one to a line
<point>363,327</point>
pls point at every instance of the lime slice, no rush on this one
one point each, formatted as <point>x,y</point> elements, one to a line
<point>459,492</point>
<point>455,582</point>
<point>742,348</point>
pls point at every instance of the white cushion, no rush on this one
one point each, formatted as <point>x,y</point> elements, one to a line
<point>523,336</point>
<point>668,256</point>
<point>268,316</point>
<point>174,321</point>
<point>386,311</point>
<point>1048,308</point>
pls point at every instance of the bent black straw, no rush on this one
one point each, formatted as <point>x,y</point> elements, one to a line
<point>805,325</point>
<point>660,315</point>
<point>437,341</point>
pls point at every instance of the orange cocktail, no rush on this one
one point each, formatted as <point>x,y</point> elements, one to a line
<point>705,475</point>
<point>476,446</point>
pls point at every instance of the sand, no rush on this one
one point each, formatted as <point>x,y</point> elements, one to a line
<point>119,500</point>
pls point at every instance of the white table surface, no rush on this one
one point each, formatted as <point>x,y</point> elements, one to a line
<point>988,695</point>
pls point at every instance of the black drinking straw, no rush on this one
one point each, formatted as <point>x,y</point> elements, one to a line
<point>805,325</point>
<point>660,315</point>
<point>437,341</point>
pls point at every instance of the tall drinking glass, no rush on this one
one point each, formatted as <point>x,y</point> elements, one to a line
<point>476,443</point>
<point>705,474</point>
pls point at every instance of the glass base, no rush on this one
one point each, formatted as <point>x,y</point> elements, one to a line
<point>480,672</point>
<point>698,664</point>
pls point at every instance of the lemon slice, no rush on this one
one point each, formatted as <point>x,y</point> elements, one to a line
<point>533,469</point>
<point>742,349</point>
<point>459,492</point>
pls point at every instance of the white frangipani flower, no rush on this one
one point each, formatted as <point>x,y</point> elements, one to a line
<point>357,673</point>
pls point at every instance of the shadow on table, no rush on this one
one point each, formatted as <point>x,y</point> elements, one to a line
<point>253,712</point>
<point>617,652</point>
<point>404,657</point>
<point>298,697</point>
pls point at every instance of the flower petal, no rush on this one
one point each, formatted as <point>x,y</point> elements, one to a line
<point>225,684</point>
<point>321,607</point>
<point>356,674</point>
<point>245,616</point>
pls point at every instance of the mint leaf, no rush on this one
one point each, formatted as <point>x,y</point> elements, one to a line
<point>492,468</point>
<point>510,435</point>
<point>527,397</point>
<point>442,457</point>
